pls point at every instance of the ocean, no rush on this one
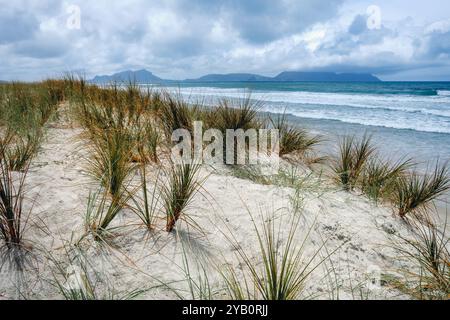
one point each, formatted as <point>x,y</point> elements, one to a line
<point>406,119</point>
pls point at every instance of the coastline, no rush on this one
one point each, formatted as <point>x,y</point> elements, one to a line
<point>348,242</point>
<point>351,225</point>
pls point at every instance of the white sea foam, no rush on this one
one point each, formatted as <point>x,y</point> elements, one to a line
<point>445,93</point>
<point>420,113</point>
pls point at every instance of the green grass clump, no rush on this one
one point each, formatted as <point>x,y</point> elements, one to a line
<point>100,212</point>
<point>428,251</point>
<point>379,177</point>
<point>294,140</point>
<point>176,114</point>
<point>415,193</point>
<point>22,150</point>
<point>110,160</point>
<point>12,195</point>
<point>241,114</point>
<point>235,115</point>
<point>284,269</point>
<point>352,158</point>
<point>147,207</point>
<point>148,141</point>
<point>24,111</point>
<point>178,192</point>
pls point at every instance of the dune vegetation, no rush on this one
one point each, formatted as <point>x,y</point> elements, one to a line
<point>132,187</point>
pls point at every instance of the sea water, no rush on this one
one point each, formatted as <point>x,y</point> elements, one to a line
<point>406,119</point>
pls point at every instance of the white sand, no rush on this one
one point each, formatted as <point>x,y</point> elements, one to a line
<point>352,225</point>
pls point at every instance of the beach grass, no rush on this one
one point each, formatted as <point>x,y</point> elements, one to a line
<point>178,192</point>
<point>293,140</point>
<point>127,129</point>
<point>147,207</point>
<point>175,114</point>
<point>428,251</point>
<point>22,150</point>
<point>12,196</point>
<point>351,160</point>
<point>284,269</point>
<point>110,161</point>
<point>379,177</point>
<point>100,212</point>
<point>415,192</point>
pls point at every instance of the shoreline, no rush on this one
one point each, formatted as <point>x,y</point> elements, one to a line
<point>348,242</point>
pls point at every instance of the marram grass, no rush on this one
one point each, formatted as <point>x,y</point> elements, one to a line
<point>415,193</point>
<point>350,162</point>
<point>294,140</point>
<point>179,191</point>
<point>12,195</point>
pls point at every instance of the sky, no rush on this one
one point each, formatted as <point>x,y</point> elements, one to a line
<point>177,39</point>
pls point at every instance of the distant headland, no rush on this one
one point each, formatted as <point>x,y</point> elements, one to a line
<point>144,76</point>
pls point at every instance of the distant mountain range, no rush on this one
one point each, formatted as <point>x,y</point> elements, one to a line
<point>144,76</point>
<point>141,76</point>
<point>241,77</point>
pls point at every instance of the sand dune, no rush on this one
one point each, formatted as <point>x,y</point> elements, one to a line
<point>358,232</point>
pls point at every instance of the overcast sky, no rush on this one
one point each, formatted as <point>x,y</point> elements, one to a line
<point>177,39</point>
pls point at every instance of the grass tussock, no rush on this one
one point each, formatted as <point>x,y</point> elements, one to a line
<point>351,160</point>
<point>240,114</point>
<point>294,140</point>
<point>235,115</point>
<point>428,252</point>
<point>148,141</point>
<point>147,206</point>
<point>175,113</point>
<point>24,111</point>
<point>379,177</point>
<point>120,125</point>
<point>415,193</point>
<point>12,194</point>
<point>178,192</point>
<point>110,161</point>
<point>100,212</point>
<point>22,150</point>
<point>284,270</point>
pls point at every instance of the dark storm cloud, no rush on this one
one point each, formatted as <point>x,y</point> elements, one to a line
<point>16,25</point>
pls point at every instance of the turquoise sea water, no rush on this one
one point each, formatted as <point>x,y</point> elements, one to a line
<point>406,118</point>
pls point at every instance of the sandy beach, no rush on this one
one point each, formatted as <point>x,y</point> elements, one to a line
<point>349,233</point>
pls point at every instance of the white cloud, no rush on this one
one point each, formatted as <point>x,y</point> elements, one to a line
<point>181,38</point>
